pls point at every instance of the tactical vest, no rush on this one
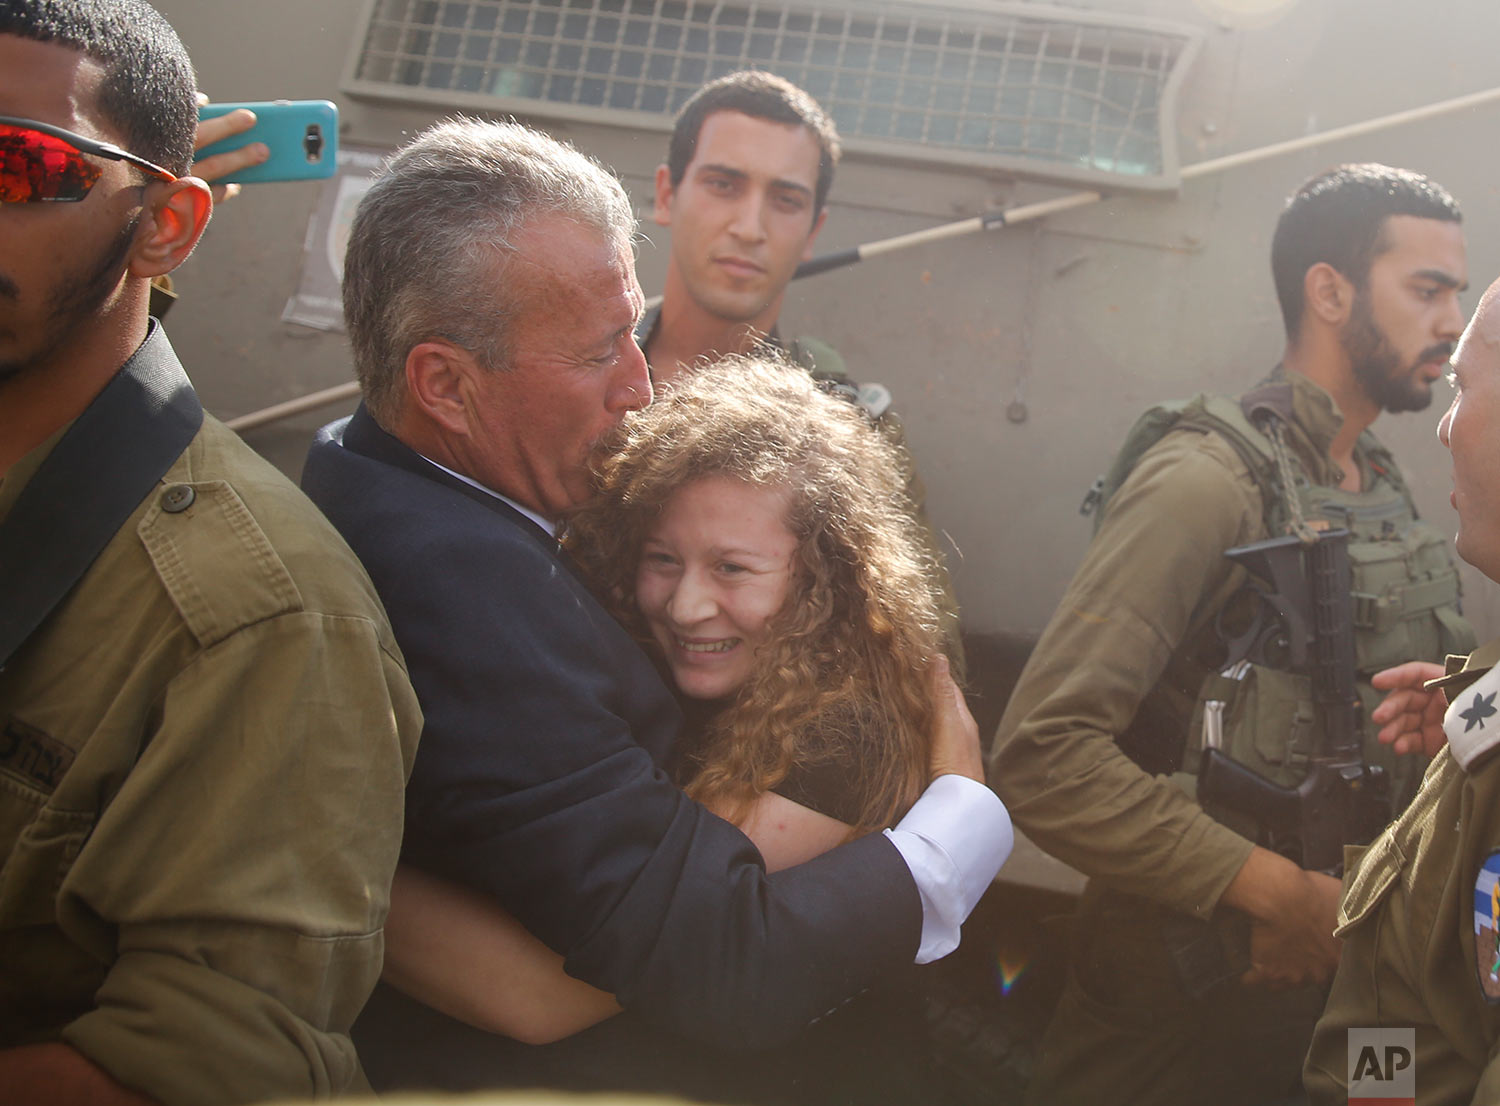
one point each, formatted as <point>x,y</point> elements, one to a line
<point>1405,604</point>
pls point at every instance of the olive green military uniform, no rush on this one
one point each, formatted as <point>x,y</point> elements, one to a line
<point>824,363</point>
<point>1122,661</point>
<point>203,751</point>
<point>1420,916</point>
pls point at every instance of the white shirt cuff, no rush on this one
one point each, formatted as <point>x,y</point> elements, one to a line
<point>954,840</point>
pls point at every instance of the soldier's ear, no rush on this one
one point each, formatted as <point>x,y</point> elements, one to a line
<point>437,384</point>
<point>1327,294</point>
<point>173,221</point>
<point>661,211</point>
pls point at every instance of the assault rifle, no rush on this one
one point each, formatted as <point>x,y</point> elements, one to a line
<point>1304,623</point>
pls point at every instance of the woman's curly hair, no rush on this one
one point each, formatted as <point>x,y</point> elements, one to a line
<point>843,675</point>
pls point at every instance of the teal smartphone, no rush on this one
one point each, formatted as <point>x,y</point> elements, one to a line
<point>303,136</point>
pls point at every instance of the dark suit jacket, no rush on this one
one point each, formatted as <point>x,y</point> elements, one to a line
<point>539,781</point>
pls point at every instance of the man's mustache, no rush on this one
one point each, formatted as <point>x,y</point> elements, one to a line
<point>1442,351</point>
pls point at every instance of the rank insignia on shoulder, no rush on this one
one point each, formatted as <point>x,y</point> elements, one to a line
<point>1472,722</point>
<point>1481,708</point>
<point>1487,927</point>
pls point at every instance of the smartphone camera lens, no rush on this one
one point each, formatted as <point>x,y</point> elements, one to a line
<point>312,142</point>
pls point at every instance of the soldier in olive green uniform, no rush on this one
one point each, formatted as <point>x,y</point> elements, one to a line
<point>743,190</point>
<point>205,723</point>
<point>1420,916</point>
<point>1096,748</point>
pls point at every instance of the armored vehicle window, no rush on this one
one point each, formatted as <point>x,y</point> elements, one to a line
<point>1045,91</point>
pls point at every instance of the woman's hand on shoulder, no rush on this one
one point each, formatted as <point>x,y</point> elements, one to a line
<point>955,734</point>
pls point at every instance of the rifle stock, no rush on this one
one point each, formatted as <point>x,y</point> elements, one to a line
<point>1306,823</point>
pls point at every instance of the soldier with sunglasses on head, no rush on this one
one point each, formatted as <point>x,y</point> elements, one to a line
<point>205,724</point>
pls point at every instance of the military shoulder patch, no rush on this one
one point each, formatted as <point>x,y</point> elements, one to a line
<point>1487,927</point>
<point>1472,722</point>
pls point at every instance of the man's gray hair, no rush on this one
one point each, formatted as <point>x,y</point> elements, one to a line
<point>430,242</point>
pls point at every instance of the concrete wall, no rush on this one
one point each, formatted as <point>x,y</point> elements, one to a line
<point>1084,319</point>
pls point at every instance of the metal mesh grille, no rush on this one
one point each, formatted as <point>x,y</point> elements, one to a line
<point>1024,86</point>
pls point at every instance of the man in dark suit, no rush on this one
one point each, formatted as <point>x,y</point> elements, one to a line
<point>491,299</point>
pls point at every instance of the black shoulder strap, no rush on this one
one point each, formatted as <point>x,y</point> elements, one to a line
<point>91,482</point>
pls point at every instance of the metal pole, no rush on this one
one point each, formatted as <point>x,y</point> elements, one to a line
<point>279,411</point>
<point>994,220</point>
<point>1223,164</point>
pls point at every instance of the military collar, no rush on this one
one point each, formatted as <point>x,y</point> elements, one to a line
<point>1315,411</point>
<point>81,485</point>
<point>1461,671</point>
<point>1313,419</point>
<point>645,330</point>
<point>20,474</point>
<point>153,369</point>
<point>1472,722</point>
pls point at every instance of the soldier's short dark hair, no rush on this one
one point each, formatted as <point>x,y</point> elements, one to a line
<point>761,95</point>
<point>1339,217</point>
<point>149,93</point>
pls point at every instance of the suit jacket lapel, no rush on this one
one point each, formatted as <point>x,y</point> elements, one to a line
<point>363,435</point>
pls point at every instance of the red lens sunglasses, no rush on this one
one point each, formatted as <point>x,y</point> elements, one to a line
<point>40,163</point>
